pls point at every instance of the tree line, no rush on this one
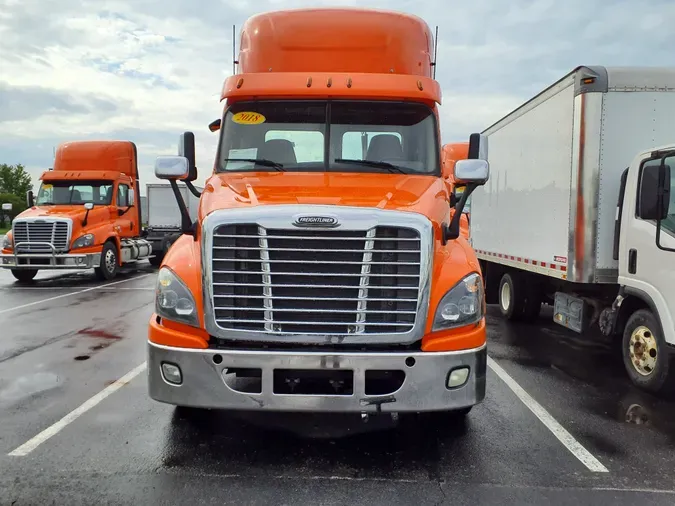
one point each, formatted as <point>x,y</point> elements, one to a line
<point>15,182</point>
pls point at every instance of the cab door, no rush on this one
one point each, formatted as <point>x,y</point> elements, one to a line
<point>124,224</point>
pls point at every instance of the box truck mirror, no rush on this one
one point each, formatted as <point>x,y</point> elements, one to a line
<point>653,197</point>
<point>474,172</point>
<point>186,148</point>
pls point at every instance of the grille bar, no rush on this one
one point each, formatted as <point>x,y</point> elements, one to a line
<point>307,238</point>
<point>350,287</point>
<point>313,250</point>
<point>311,262</point>
<point>359,274</point>
<point>372,299</point>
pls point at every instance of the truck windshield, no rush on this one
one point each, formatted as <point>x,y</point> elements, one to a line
<point>67,192</point>
<point>345,136</point>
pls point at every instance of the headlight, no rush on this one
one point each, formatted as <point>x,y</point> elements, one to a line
<point>463,305</point>
<point>84,241</point>
<point>173,300</point>
<point>7,242</point>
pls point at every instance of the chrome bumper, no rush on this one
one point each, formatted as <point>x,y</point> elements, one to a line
<point>423,389</point>
<point>49,261</point>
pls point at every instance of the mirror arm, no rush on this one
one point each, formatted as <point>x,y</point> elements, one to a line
<point>84,221</point>
<point>186,222</point>
<point>452,231</point>
<point>192,189</point>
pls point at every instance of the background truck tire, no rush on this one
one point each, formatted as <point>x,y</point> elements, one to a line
<point>109,262</point>
<point>533,300</point>
<point>646,357</point>
<point>156,260</point>
<point>512,296</point>
<point>24,275</point>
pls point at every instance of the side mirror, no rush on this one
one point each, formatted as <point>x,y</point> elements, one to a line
<point>475,172</point>
<point>30,201</point>
<point>131,199</point>
<point>172,167</point>
<point>7,206</point>
<point>89,206</point>
<point>653,197</point>
<point>214,126</point>
<point>186,149</point>
<point>478,147</point>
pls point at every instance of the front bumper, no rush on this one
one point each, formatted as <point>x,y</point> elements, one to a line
<point>49,261</point>
<point>423,388</point>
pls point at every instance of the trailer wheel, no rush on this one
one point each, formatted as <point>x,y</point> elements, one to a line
<point>645,355</point>
<point>512,296</point>
<point>24,275</point>
<point>109,262</point>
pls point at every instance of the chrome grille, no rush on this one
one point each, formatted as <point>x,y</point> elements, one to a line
<point>37,235</point>
<point>326,282</point>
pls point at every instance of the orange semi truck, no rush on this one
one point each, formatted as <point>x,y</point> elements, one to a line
<point>85,215</point>
<point>326,270</point>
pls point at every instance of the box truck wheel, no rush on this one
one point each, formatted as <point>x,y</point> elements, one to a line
<point>645,354</point>
<point>24,275</point>
<point>512,295</point>
<point>533,299</point>
<point>109,263</point>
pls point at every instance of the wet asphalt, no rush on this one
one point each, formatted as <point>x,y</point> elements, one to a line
<point>67,337</point>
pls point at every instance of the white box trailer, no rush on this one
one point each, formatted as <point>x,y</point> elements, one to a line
<point>558,220</point>
<point>164,218</point>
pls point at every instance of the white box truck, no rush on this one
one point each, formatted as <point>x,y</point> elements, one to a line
<point>164,218</point>
<point>578,212</point>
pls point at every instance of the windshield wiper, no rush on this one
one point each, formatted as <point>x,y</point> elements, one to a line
<point>373,163</point>
<point>258,161</point>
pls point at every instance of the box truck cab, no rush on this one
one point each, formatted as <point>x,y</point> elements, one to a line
<point>579,212</point>
<point>85,214</point>
<point>326,270</point>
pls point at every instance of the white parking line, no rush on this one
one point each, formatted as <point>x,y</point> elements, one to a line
<point>71,294</point>
<point>54,429</point>
<point>551,423</point>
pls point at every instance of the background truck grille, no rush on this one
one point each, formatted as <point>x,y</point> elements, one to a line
<point>52,232</point>
<point>316,282</point>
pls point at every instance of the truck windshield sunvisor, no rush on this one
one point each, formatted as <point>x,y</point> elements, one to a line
<point>75,193</point>
<point>336,136</point>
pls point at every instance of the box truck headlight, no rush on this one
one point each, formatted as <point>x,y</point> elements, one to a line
<point>462,305</point>
<point>7,242</point>
<point>173,299</point>
<point>84,241</point>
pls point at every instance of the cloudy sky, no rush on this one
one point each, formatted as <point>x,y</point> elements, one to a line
<point>146,70</point>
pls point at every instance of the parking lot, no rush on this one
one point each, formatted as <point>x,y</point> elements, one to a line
<point>561,424</point>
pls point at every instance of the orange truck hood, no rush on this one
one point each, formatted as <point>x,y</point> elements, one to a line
<point>73,212</point>
<point>423,194</point>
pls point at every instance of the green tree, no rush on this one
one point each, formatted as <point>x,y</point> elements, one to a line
<point>15,180</point>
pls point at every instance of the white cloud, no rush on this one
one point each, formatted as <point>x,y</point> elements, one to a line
<point>147,70</point>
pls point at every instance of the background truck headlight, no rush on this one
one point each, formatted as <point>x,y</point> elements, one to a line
<point>173,299</point>
<point>6,242</point>
<point>462,305</point>
<point>83,241</point>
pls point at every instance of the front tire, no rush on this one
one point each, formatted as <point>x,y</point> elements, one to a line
<point>645,354</point>
<point>109,262</point>
<point>24,275</point>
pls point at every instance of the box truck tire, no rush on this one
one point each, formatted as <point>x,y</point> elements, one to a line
<point>24,275</point>
<point>512,295</point>
<point>109,262</point>
<point>646,356</point>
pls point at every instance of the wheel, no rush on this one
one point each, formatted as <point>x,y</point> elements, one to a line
<point>645,355</point>
<point>511,296</point>
<point>24,275</point>
<point>156,261</point>
<point>109,262</point>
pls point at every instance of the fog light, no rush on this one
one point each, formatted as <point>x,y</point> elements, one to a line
<point>172,374</point>
<point>458,377</point>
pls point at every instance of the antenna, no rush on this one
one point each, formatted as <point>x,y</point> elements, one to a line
<point>435,51</point>
<point>234,50</point>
